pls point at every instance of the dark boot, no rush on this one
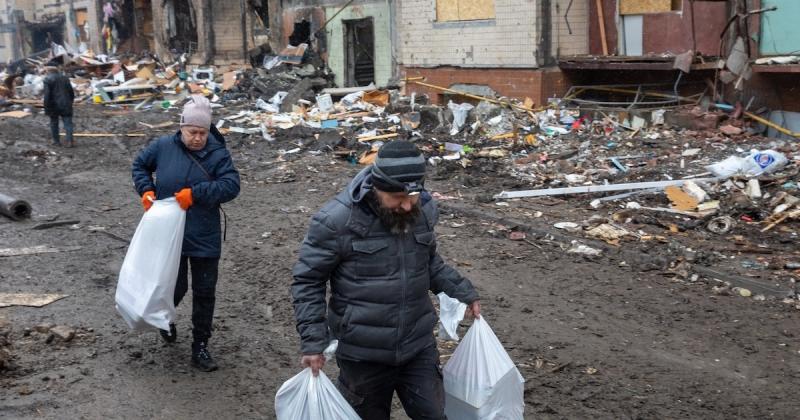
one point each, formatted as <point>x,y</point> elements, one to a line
<point>201,358</point>
<point>171,335</point>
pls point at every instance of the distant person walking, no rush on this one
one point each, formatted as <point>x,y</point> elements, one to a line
<point>58,98</point>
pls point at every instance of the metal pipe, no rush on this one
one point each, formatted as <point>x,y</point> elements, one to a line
<point>13,208</point>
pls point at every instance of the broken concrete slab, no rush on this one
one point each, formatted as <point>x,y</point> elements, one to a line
<point>36,300</point>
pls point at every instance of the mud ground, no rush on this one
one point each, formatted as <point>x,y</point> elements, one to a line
<point>616,336</point>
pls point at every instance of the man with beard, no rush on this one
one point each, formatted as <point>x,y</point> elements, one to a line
<point>375,243</point>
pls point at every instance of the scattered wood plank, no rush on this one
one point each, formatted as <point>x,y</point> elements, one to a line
<point>14,114</point>
<point>106,135</point>
<point>157,126</point>
<point>382,136</point>
<point>48,225</point>
<point>32,250</point>
<point>595,188</point>
<point>28,299</point>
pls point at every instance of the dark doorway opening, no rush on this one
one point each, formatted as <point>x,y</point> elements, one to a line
<point>182,26</point>
<point>43,34</point>
<point>359,60</point>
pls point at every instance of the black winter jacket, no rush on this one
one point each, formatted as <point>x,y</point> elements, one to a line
<point>58,95</point>
<point>380,309</point>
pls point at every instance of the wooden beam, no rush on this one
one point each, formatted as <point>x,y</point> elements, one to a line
<point>602,21</point>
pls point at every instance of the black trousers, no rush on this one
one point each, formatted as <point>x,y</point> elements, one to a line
<point>369,387</point>
<point>204,285</point>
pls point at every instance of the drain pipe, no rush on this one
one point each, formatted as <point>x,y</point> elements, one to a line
<point>244,32</point>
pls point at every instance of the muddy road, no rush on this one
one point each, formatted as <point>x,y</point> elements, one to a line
<point>612,336</point>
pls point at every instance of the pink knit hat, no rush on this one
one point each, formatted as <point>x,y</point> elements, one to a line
<point>197,112</point>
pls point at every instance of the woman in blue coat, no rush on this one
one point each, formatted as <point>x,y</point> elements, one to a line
<point>195,167</point>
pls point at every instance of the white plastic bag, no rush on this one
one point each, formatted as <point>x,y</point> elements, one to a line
<point>307,397</point>
<point>480,380</point>
<point>451,312</point>
<point>147,278</point>
<point>460,112</point>
<point>757,163</point>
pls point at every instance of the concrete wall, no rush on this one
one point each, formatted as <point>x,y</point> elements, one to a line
<point>335,32</point>
<point>508,40</point>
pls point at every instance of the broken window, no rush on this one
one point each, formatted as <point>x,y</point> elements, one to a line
<point>640,7</point>
<point>454,10</point>
<point>81,18</point>
<point>261,7</point>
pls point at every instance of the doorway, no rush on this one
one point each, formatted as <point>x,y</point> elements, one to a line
<point>359,62</point>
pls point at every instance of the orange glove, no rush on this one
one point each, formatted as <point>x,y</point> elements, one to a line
<point>147,199</point>
<point>184,198</point>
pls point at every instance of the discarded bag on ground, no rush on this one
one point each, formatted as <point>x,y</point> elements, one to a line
<point>460,112</point>
<point>757,163</point>
<point>451,313</point>
<point>310,397</point>
<point>480,380</point>
<point>147,278</point>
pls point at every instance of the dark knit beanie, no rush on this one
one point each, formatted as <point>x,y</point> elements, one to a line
<point>399,167</point>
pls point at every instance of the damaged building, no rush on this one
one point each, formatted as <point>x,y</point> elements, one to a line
<point>356,38</point>
<point>491,47</point>
<point>736,51</point>
<point>28,27</point>
<point>209,32</point>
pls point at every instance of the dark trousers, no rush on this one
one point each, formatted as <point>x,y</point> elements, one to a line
<point>369,387</point>
<point>204,284</point>
<point>67,128</point>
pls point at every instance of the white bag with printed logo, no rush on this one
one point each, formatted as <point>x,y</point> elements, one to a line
<point>310,397</point>
<point>146,286</point>
<point>480,380</point>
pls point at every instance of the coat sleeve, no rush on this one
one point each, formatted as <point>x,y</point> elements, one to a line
<point>445,278</point>
<point>47,99</point>
<point>70,92</point>
<point>225,186</point>
<point>319,256</point>
<point>143,167</point>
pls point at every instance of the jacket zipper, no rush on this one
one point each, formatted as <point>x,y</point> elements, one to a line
<point>401,239</point>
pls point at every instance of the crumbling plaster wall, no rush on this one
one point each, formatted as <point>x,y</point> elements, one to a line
<point>508,40</point>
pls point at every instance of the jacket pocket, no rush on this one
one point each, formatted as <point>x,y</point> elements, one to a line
<point>371,259</point>
<point>344,322</point>
<point>424,238</point>
<point>369,246</point>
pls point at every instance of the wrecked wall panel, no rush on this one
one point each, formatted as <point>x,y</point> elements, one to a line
<point>570,26</point>
<point>665,33</point>
<point>639,7</point>
<point>509,39</point>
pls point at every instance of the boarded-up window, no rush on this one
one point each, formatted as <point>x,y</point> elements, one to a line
<point>451,10</point>
<point>639,7</point>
